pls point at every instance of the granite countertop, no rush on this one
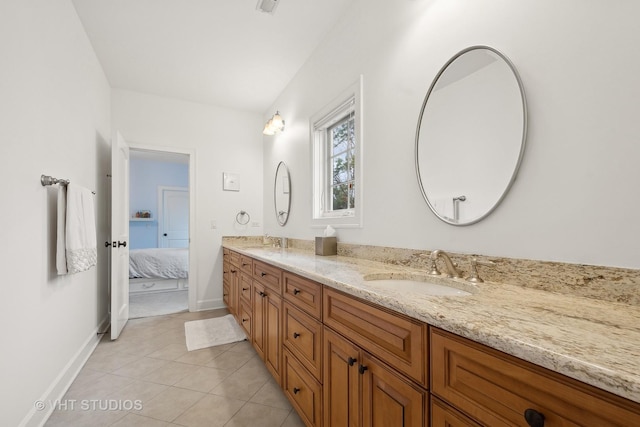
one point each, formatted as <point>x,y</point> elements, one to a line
<point>593,341</point>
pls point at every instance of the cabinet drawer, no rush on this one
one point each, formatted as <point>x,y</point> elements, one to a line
<point>303,293</point>
<point>234,258</point>
<point>245,263</point>
<point>396,339</point>
<point>245,320</point>
<point>496,389</point>
<point>303,337</point>
<point>268,275</point>
<point>245,288</point>
<point>304,392</point>
<point>226,293</point>
<point>443,415</point>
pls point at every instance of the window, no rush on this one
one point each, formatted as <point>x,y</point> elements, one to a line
<point>337,143</point>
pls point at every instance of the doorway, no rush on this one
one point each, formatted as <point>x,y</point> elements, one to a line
<point>162,261</point>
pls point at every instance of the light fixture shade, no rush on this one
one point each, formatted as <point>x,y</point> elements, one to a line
<point>277,122</point>
<point>267,6</point>
<point>268,128</point>
<point>274,125</point>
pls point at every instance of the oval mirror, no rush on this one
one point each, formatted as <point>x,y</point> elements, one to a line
<point>471,135</point>
<point>282,193</point>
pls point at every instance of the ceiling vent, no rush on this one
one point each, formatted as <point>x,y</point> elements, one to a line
<point>267,6</point>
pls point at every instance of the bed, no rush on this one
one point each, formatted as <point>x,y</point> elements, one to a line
<point>158,269</point>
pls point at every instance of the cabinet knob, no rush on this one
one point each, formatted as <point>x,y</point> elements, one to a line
<point>263,274</point>
<point>262,294</point>
<point>351,361</point>
<point>296,335</point>
<point>244,320</point>
<point>234,271</point>
<point>296,390</point>
<point>362,368</point>
<point>534,418</point>
<point>296,291</point>
<point>245,289</point>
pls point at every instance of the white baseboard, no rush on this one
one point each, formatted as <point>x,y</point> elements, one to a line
<point>63,381</point>
<point>210,304</point>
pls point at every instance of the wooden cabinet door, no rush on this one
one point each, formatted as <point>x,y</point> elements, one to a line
<point>272,327</point>
<point>388,399</point>
<point>258,339</point>
<point>341,381</point>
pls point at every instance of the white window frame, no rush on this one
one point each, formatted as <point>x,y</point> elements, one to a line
<point>348,103</point>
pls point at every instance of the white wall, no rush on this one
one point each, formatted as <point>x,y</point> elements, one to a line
<point>575,199</point>
<point>54,119</point>
<point>224,140</point>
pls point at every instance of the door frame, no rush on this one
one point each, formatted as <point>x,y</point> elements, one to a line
<point>193,271</point>
<point>161,190</point>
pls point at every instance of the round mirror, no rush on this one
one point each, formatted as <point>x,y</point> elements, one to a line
<point>282,193</point>
<point>471,135</point>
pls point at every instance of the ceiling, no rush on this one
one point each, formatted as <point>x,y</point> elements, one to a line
<point>217,52</point>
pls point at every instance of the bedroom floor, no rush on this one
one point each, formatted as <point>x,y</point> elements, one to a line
<point>157,303</point>
<point>149,366</point>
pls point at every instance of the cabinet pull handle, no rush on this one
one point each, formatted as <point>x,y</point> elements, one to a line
<point>296,390</point>
<point>296,291</point>
<point>245,289</point>
<point>351,361</point>
<point>534,418</point>
<point>243,264</point>
<point>263,274</point>
<point>295,335</point>
<point>362,368</point>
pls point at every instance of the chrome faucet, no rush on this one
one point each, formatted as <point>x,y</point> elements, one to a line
<point>452,271</point>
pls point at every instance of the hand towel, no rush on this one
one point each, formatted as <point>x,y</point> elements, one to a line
<point>81,248</point>
<point>61,245</point>
<point>444,207</point>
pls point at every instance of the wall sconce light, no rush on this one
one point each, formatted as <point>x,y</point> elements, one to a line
<point>274,125</point>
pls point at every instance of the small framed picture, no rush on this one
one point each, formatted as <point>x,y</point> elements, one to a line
<point>230,181</point>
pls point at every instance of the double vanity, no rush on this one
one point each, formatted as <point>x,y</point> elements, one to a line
<point>358,342</point>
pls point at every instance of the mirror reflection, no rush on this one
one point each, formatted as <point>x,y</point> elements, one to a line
<point>282,193</point>
<point>471,135</point>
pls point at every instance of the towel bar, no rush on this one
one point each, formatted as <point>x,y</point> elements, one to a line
<point>49,180</point>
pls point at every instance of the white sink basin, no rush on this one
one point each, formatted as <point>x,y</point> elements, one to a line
<point>413,286</point>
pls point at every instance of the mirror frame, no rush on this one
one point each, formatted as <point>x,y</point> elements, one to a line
<point>522,141</point>
<point>275,199</point>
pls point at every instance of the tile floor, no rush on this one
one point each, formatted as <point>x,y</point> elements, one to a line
<point>148,378</point>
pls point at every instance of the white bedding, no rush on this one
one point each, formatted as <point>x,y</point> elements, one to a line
<point>164,263</point>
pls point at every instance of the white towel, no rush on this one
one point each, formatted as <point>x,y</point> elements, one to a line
<point>61,246</point>
<point>80,230</point>
<point>444,207</point>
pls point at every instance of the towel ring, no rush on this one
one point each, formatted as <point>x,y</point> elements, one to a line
<point>242,214</point>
